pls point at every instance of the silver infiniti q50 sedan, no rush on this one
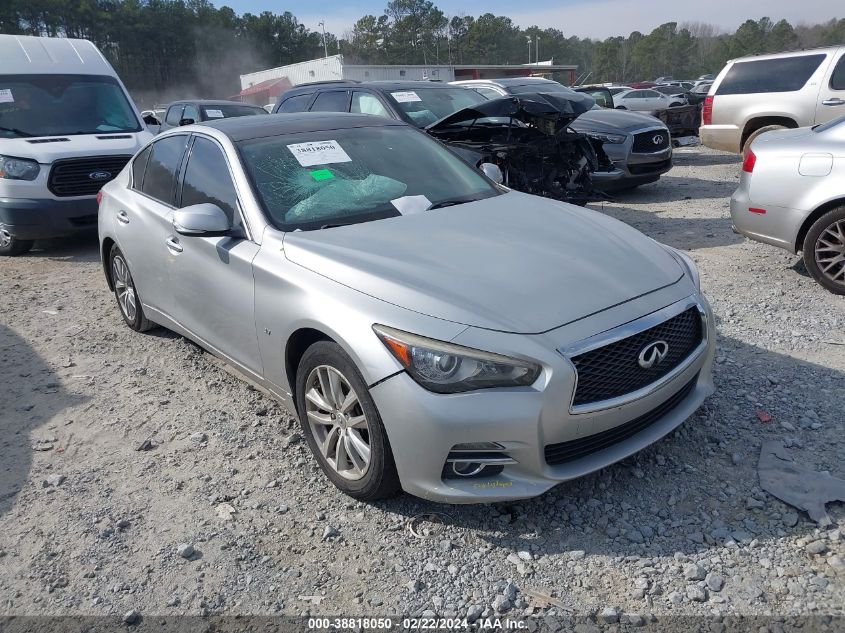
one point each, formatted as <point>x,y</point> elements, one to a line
<point>792,194</point>
<point>434,331</point>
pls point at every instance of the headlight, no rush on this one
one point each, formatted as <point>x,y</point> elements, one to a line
<point>607,138</point>
<point>687,263</point>
<point>446,368</point>
<point>18,168</point>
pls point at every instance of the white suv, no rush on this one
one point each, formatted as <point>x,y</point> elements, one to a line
<point>753,95</point>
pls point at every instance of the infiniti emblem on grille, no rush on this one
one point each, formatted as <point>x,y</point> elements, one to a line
<point>657,139</point>
<point>99,175</point>
<point>653,354</point>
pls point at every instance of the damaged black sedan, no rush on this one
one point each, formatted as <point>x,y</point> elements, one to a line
<point>528,138</point>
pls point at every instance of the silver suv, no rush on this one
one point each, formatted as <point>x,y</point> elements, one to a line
<point>757,94</point>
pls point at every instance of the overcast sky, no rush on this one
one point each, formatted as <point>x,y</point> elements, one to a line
<point>584,18</point>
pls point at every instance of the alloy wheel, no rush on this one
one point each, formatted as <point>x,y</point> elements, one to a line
<point>830,252</point>
<point>124,288</point>
<point>5,238</point>
<point>337,422</point>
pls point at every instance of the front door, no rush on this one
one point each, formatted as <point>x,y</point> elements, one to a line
<point>211,277</point>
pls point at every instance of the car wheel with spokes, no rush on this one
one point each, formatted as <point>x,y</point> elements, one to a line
<point>342,425</point>
<point>10,245</point>
<point>824,250</point>
<point>126,294</point>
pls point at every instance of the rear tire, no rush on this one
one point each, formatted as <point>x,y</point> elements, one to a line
<point>758,132</point>
<point>824,251</point>
<point>128,299</point>
<point>339,415</point>
<point>10,245</point>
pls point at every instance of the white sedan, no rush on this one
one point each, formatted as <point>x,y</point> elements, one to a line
<point>641,100</point>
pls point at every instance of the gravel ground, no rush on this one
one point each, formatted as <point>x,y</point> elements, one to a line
<point>223,511</point>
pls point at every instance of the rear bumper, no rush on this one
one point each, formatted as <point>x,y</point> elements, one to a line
<point>724,137</point>
<point>44,218</point>
<point>778,226</point>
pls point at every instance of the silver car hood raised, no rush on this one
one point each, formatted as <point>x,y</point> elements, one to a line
<point>512,263</point>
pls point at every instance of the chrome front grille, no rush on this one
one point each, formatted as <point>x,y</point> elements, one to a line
<point>651,141</point>
<point>614,370</point>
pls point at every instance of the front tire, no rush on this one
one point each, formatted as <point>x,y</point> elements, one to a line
<point>125,292</point>
<point>10,245</point>
<point>824,250</point>
<point>342,426</point>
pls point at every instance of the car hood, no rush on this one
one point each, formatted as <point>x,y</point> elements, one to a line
<point>534,109</point>
<point>511,263</point>
<point>613,121</point>
<point>47,149</point>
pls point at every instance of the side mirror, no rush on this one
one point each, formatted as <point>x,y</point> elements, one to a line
<point>186,121</point>
<point>492,172</point>
<point>202,220</point>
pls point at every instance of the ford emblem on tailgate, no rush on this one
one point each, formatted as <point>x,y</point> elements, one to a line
<point>653,354</point>
<point>99,175</point>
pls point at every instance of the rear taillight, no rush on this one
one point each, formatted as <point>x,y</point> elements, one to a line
<point>707,111</point>
<point>749,162</point>
<point>100,197</point>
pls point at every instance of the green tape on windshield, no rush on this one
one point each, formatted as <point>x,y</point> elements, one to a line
<point>322,174</point>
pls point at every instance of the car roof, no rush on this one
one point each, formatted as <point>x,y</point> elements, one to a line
<point>386,85</point>
<point>510,81</point>
<point>26,54</point>
<point>249,127</point>
<point>211,102</point>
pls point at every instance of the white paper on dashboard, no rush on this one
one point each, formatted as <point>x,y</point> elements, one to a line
<point>406,96</point>
<point>408,205</point>
<point>214,114</point>
<point>319,153</point>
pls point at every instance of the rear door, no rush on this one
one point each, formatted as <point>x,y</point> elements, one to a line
<point>211,277</point>
<point>831,103</point>
<point>144,220</point>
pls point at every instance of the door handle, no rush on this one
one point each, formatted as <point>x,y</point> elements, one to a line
<point>173,244</point>
<point>123,217</point>
<point>835,101</point>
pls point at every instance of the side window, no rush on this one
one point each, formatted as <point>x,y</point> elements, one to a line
<point>162,167</point>
<point>297,103</point>
<point>139,166</point>
<point>174,114</point>
<point>192,113</point>
<point>781,74</point>
<point>837,79</point>
<point>334,101</point>
<point>490,93</point>
<point>367,103</point>
<point>207,179</point>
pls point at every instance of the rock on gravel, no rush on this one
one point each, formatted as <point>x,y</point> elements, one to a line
<point>186,550</point>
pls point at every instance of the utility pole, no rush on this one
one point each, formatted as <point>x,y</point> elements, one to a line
<point>325,46</point>
<point>528,37</point>
<point>537,56</point>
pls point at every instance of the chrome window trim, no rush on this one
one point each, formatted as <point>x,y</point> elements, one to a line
<point>630,329</point>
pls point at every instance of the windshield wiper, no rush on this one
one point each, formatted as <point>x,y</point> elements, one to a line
<point>451,202</point>
<point>335,225</point>
<point>15,130</point>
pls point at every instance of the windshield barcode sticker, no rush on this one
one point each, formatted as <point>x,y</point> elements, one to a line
<point>408,96</point>
<point>319,153</point>
<point>214,114</point>
<point>6,96</point>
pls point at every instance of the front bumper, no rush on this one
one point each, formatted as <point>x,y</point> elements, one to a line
<point>44,218</point>
<point>637,169</point>
<point>423,427</point>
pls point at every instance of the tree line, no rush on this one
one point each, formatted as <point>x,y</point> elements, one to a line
<point>166,49</point>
